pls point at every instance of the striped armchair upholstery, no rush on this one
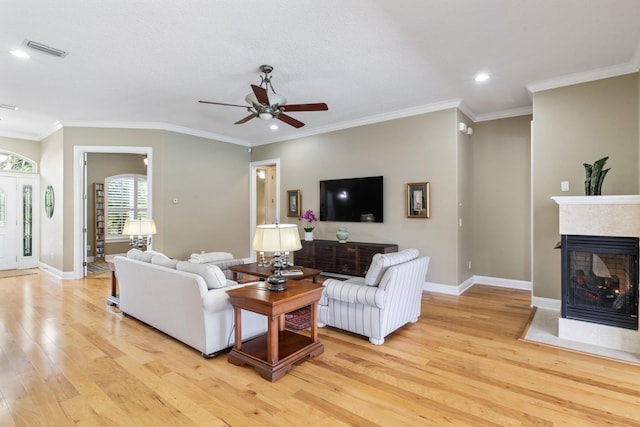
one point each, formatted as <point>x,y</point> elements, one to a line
<point>376,311</point>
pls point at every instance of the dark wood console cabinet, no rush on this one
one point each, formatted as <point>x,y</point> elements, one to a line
<point>351,258</point>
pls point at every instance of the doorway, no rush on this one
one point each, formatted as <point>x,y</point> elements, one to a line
<point>19,220</point>
<point>264,196</point>
<point>82,224</point>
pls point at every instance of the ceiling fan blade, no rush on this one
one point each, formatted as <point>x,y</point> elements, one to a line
<point>290,120</point>
<point>261,94</point>
<point>246,119</point>
<point>222,103</point>
<point>320,106</point>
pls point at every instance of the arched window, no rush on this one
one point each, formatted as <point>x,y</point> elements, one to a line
<point>15,163</point>
<point>126,198</point>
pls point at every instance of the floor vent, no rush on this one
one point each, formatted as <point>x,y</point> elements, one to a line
<point>45,49</point>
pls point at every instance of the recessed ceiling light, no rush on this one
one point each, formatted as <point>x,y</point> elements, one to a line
<point>19,54</point>
<point>273,127</point>
<point>482,77</point>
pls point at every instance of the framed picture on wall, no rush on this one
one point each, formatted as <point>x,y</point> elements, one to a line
<point>293,203</point>
<point>418,204</point>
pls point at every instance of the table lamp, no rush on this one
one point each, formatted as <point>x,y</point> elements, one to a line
<point>142,229</point>
<point>277,238</point>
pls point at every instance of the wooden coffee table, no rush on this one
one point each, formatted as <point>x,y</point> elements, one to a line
<point>273,354</point>
<point>263,272</point>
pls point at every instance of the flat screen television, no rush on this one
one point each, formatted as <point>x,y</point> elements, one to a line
<point>352,200</point>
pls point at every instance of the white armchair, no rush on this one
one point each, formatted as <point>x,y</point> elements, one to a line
<point>387,298</point>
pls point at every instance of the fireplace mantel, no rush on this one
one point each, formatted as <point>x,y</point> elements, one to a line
<point>600,215</point>
<point>597,200</point>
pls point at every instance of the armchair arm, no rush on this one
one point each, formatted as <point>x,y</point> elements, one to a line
<point>354,293</point>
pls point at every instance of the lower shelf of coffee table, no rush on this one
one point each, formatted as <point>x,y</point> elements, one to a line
<point>292,347</point>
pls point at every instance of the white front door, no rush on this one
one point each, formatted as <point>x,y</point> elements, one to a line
<point>8,225</point>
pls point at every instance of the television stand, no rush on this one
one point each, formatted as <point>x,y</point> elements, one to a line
<point>350,258</point>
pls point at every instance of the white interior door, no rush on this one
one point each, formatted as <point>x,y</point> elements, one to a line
<point>84,214</point>
<point>8,223</point>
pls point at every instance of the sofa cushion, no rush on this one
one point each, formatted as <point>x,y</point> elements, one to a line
<point>380,263</point>
<point>138,255</point>
<point>212,275</point>
<point>164,261</point>
<point>154,253</point>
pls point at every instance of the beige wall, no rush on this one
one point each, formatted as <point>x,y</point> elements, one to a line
<point>52,229</point>
<point>211,181</point>
<point>208,177</point>
<point>414,149</point>
<point>575,125</point>
<point>502,198</point>
<point>483,179</point>
<point>24,147</point>
<point>465,230</point>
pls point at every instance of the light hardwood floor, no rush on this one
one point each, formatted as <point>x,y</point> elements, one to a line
<point>66,359</point>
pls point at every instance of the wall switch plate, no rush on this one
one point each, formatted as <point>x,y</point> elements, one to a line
<point>564,186</point>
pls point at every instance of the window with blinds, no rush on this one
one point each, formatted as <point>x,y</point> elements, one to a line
<point>126,198</point>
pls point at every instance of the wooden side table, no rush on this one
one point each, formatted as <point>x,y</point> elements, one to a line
<point>273,354</point>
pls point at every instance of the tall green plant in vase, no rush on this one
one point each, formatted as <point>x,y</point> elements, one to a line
<point>594,177</point>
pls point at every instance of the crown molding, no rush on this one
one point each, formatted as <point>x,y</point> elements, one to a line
<point>505,114</point>
<point>37,135</point>
<point>21,135</point>
<point>408,112</point>
<point>155,126</point>
<point>587,76</point>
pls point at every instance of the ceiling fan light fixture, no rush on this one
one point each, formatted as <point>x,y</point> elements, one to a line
<point>277,100</point>
<point>266,115</point>
<point>274,99</point>
<point>251,99</point>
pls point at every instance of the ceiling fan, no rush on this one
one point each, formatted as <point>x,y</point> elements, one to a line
<point>268,106</point>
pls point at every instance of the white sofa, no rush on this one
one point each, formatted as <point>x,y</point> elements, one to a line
<point>179,304</point>
<point>388,297</point>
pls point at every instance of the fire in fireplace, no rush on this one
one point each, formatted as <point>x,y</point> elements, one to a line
<point>600,280</point>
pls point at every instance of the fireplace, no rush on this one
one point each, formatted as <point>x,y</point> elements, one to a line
<point>600,280</point>
<point>601,275</point>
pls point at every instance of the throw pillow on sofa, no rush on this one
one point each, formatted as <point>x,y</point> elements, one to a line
<point>207,257</point>
<point>164,261</point>
<point>138,255</point>
<point>212,275</point>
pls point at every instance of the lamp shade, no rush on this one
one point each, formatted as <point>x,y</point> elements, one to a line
<point>275,100</point>
<point>139,227</point>
<point>276,238</point>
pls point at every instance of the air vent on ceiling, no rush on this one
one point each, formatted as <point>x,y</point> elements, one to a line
<point>45,49</point>
<point>9,107</point>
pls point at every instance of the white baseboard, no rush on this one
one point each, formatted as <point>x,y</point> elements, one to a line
<point>548,303</point>
<point>503,283</point>
<point>476,280</point>
<point>441,289</point>
<point>55,272</point>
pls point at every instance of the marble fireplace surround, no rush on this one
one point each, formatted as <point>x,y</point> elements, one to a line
<point>615,216</point>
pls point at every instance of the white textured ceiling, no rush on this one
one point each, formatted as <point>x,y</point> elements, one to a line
<point>146,63</point>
